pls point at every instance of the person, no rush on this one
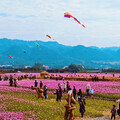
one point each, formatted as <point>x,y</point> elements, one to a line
<point>21,77</point>
<point>45,92</point>
<point>0,77</point>
<point>50,77</point>
<point>82,108</point>
<point>59,85</point>
<point>88,88</point>
<point>97,78</point>
<point>84,100</point>
<point>56,78</point>
<point>79,95</point>
<point>74,92</point>
<point>64,85</point>
<point>58,95</point>
<point>113,112</point>
<point>30,76</point>
<point>11,80</point>
<point>5,78</point>
<point>41,84</point>
<point>15,83</point>
<point>103,78</point>
<point>92,78</point>
<point>118,110</point>
<point>36,83</point>
<point>68,86</point>
<point>113,75</point>
<point>60,90</point>
<point>92,92</point>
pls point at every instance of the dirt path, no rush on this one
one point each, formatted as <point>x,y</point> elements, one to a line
<point>97,118</point>
<point>106,116</point>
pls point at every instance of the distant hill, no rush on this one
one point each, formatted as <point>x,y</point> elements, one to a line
<point>57,55</point>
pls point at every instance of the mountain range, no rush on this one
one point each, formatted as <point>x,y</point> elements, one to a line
<point>56,55</point>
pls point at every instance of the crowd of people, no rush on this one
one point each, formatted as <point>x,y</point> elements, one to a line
<point>20,77</point>
<point>64,89</point>
<point>77,96</point>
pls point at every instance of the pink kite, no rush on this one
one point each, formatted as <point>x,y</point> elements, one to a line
<point>68,15</point>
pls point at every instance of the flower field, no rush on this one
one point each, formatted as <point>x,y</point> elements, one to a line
<point>21,103</point>
<point>99,87</point>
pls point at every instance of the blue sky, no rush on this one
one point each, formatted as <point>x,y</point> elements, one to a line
<point>33,19</point>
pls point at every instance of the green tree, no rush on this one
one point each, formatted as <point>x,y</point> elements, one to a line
<point>76,68</point>
<point>38,66</point>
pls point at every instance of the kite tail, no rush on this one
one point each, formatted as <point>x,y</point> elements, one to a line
<point>78,22</point>
<point>83,25</point>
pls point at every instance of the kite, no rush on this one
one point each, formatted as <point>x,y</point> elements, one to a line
<point>68,15</point>
<point>37,44</point>
<point>48,36</point>
<point>24,51</point>
<point>10,56</point>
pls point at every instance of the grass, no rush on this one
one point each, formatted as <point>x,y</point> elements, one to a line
<point>49,109</point>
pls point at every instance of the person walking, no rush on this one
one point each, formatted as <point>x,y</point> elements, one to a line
<point>82,109</point>
<point>74,92</point>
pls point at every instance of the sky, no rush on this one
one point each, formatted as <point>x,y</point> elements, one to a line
<point>34,19</point>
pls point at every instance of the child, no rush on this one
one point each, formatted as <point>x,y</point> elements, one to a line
<point>113,112</point>
<point>45,92</point>
<point>92,92</point>
<point>84,100</point>
<point>82,108</point>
